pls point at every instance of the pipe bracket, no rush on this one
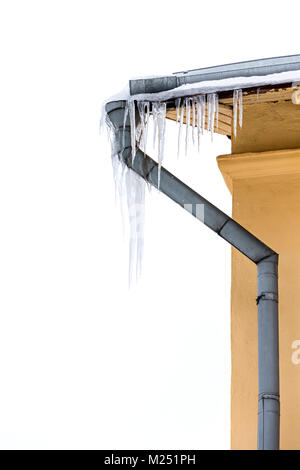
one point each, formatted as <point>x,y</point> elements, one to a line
<point>268,396</point>
<point>267,296</point>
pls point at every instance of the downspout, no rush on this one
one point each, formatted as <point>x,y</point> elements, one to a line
<point>263,256</point>
<point>268,354</point>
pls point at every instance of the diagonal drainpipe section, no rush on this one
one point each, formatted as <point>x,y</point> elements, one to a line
<point>264,257</point>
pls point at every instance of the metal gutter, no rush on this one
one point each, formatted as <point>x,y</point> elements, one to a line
<point>264,257</point>
<point>250,68</point>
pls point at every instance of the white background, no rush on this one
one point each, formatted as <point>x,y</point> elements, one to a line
<point>85,363</point>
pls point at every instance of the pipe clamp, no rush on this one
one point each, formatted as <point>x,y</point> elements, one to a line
<point>267,296</point>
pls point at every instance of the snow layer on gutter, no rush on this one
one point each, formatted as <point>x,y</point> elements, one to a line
<point>210,86</point>
<point>213,86</point>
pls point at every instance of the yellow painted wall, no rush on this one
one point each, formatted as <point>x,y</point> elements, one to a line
<point>266,200</point>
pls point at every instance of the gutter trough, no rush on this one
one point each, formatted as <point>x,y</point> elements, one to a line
<point>252,68</point>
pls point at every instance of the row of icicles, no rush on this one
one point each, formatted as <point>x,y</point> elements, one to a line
<point>200,112</point>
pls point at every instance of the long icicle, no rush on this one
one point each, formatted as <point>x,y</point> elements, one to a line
<point>140,214</point>
<point>235,104</point>
<point>217,110</point>
<point>131,107</point>
<point>199,120</point>
<point>180,128</point>
<point>211,114</point>
<point>161,126</point>
<point>203,106</point>
<point>124,123</point>
<point>147,116</point>
<point>154,114</point>
<point>130,193</point>
<point>240,108</point>
<point>141,110</point>
<point>135,194</point>
<point>147,120</point>
<point>188,123</point>
<point>177,104</point>
<point>193,120</point>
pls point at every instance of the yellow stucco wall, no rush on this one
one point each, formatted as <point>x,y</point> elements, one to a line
<point>266,200</point>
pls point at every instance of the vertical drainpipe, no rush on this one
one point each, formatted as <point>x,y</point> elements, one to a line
<point>244,241</point>
<point>268,354</point>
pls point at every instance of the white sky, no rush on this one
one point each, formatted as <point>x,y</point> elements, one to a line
<point>84,363</point>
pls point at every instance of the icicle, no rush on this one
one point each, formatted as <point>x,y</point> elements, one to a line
<point>208,112</point>
<point>217,109</point>
<point>188,123</point>
<point>199,120</point>
<point>240,108</point>
<point>203,105</point>
<point>193,119</point>
<point>130,194</point>
<point>177,104</point>
<point>119,172</point>
<point>124,123</point>
<point>140,106</point>
<point>147,116</point>
<point>140,230</point>
<point>235,104</point>
<point>159,118</point>
<point>180,128</point>
<point>131,106</point>
<point>143,108</point>
<point>154,114</point>
<point>200,107</point>
<point>161,126</point>
<point>135,193</point>
<point>147,121</point>
<point>211,114</point>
